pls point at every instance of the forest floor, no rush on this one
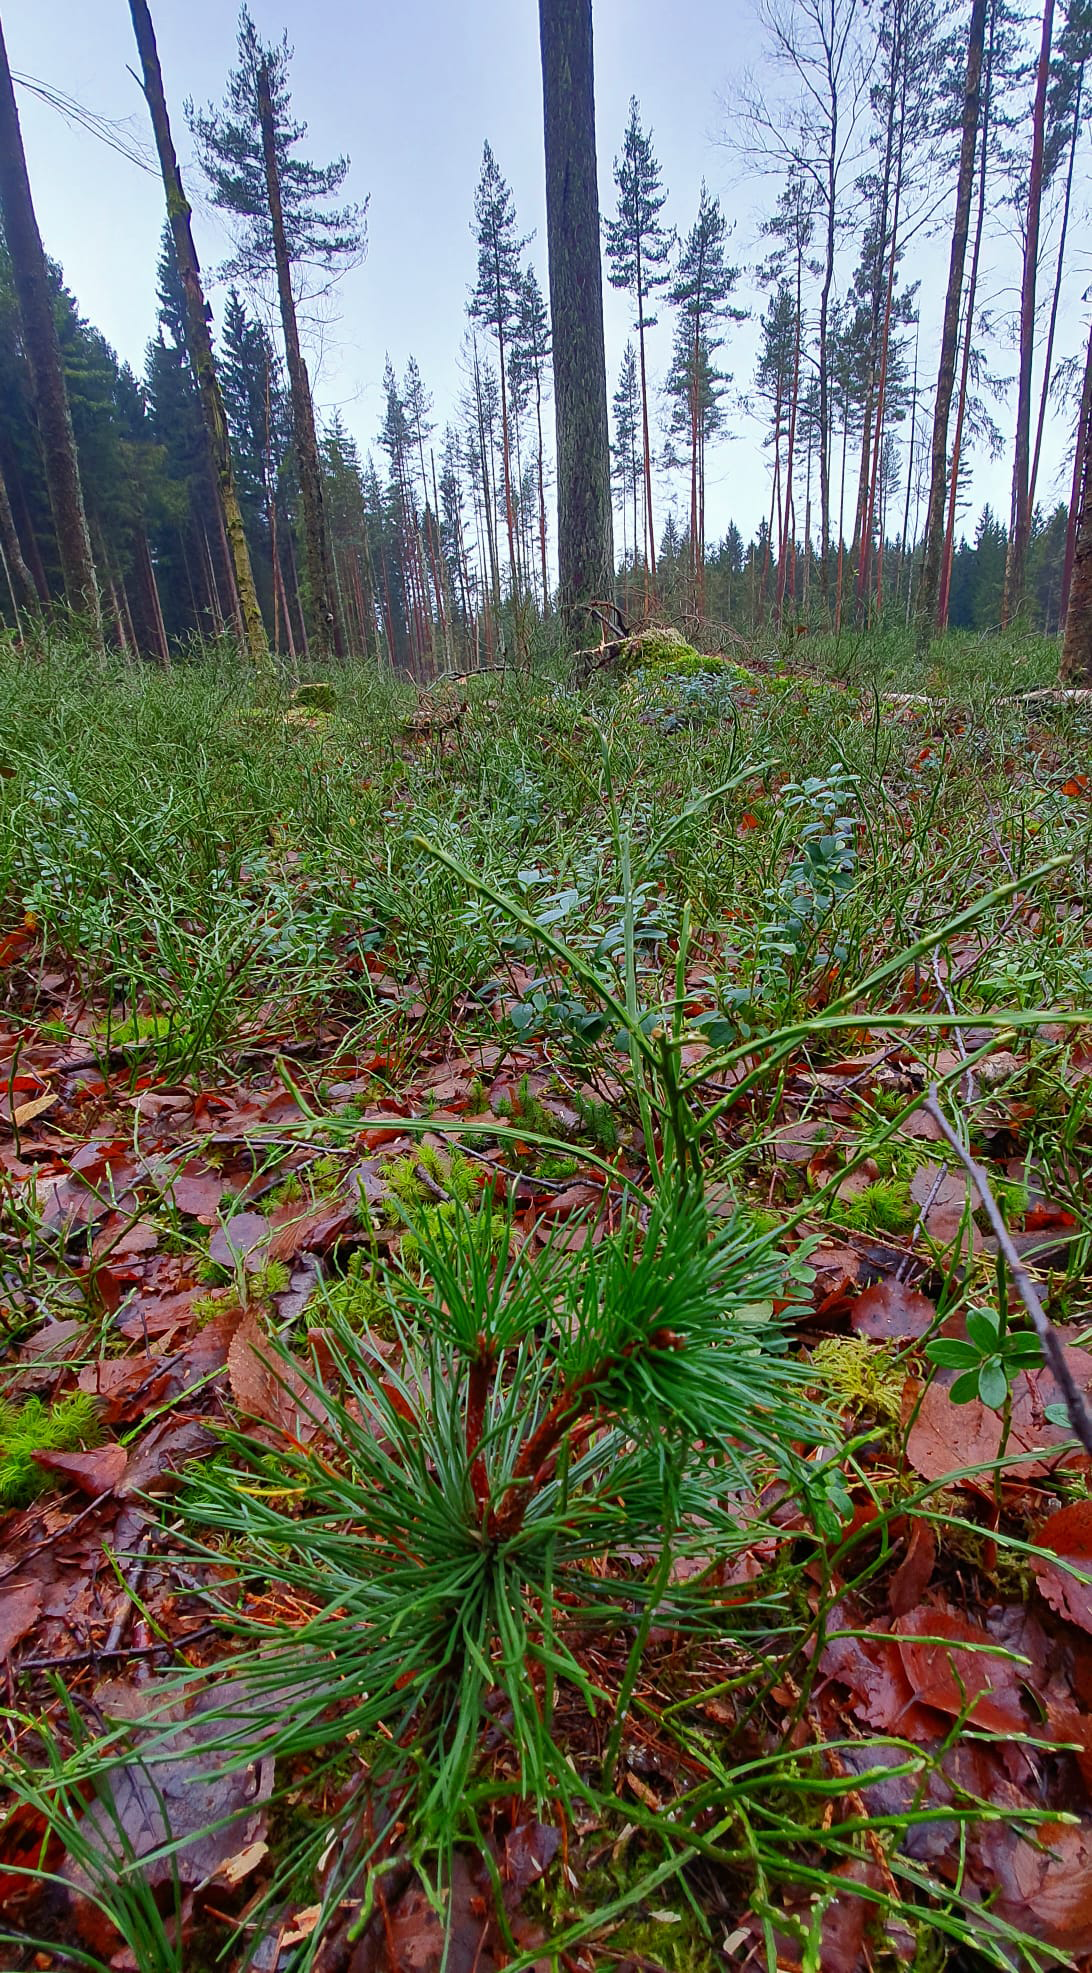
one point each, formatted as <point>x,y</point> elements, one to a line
<point>319,1033</point>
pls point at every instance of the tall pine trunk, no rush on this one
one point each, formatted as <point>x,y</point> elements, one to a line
<point>20,581</point>
<point>1077,642</point>
<point>198,337</point>
<point>944,598</point>
<point>43,350</point>
<point>938,477</point>
<point>1020,520</point>
<point>1084,420</point>
<point>585,536</point>
<point>1048,359</point>
<point>325,634</point>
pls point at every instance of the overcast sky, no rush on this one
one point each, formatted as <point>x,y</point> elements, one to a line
<point>410,91</point>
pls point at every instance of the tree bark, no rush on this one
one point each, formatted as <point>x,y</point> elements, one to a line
<point>938,478</point>
<point>325,633</point>
<point>944,597</point>
<point>1048,359</point>
<point>198,337</point>
<point>584,523</point>
<point>33,294</point>
<point>1020,521</point>
<point>23,593</point>
<point>1077,642</point>
<point>1084,420</point>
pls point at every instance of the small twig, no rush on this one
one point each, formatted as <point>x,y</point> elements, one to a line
<point>904,1265</point>
<point>1079,1416</point>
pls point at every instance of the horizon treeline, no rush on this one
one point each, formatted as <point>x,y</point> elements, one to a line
<point>434,549</point>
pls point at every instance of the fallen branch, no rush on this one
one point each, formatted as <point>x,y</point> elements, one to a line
<point>1079,1416</point>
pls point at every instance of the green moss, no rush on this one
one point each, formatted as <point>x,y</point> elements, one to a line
<point>140,1031</point>
<point>453,1173</point>
<point>554,1169</point>
<point>1012,1197</point>
<point>597,1120</point>
<point>435,1224</point>
<point>861,1375</point>
<point>885,1207</point>
<point>267,1281</point>
<point>68,1426</point>
<point>664,649</point>
<point>358,1299</point>
<point>317,695</point>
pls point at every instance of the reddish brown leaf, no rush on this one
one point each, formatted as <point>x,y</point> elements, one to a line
<point>94,1472</point>
<point>891,1309</point>
<point>243,1238</point>
<point>976,1684</point>
<point>19,1606</point>
<point>1068,1534</point>
<point>946,1437</point>
<point>271,1387</point>
<point>912,1577</point>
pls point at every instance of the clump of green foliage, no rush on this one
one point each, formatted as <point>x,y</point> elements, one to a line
<point>860,1375</point>
<point>885,1207</point>
<point>597,1120</point>
<point>663,649</point>
<point>140,1031</point>
<point>70,1425</point>
<point>450,1170</point>
<point>435,1224</point>
<point>356,1299</point>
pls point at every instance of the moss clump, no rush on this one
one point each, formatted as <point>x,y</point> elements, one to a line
<point>453,1173</point>
<point>69,1426</point>
<point>665,650</point>
<point>861,1376</point>
<point>885,1207</point>
<point>439,1225</point>
<point>140,1031</point>
<point>357,1299</point>
<point>318,695</point>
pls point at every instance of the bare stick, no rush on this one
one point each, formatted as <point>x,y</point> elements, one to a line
<point>1079,1416</point>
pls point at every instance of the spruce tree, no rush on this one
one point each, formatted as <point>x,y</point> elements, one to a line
<point>282,201</point>
<point>638,249</point>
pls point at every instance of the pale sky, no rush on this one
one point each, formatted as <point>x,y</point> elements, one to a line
<point>410,92</point>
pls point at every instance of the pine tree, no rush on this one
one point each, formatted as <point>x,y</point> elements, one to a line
<point>198,335</point>
<point>628,456</point>
<point>585,544</point>
<point>1020,517</point>
<point>32,287</point>
<point>495,303</point>
<point>701,291</point>
<point>638,249</point>
<point>938,479</point>
<point>530,356</point>
<point>247,151</point>
<point>1077,642</point>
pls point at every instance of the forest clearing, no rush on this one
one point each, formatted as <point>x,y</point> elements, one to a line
<point>546,1047</point>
